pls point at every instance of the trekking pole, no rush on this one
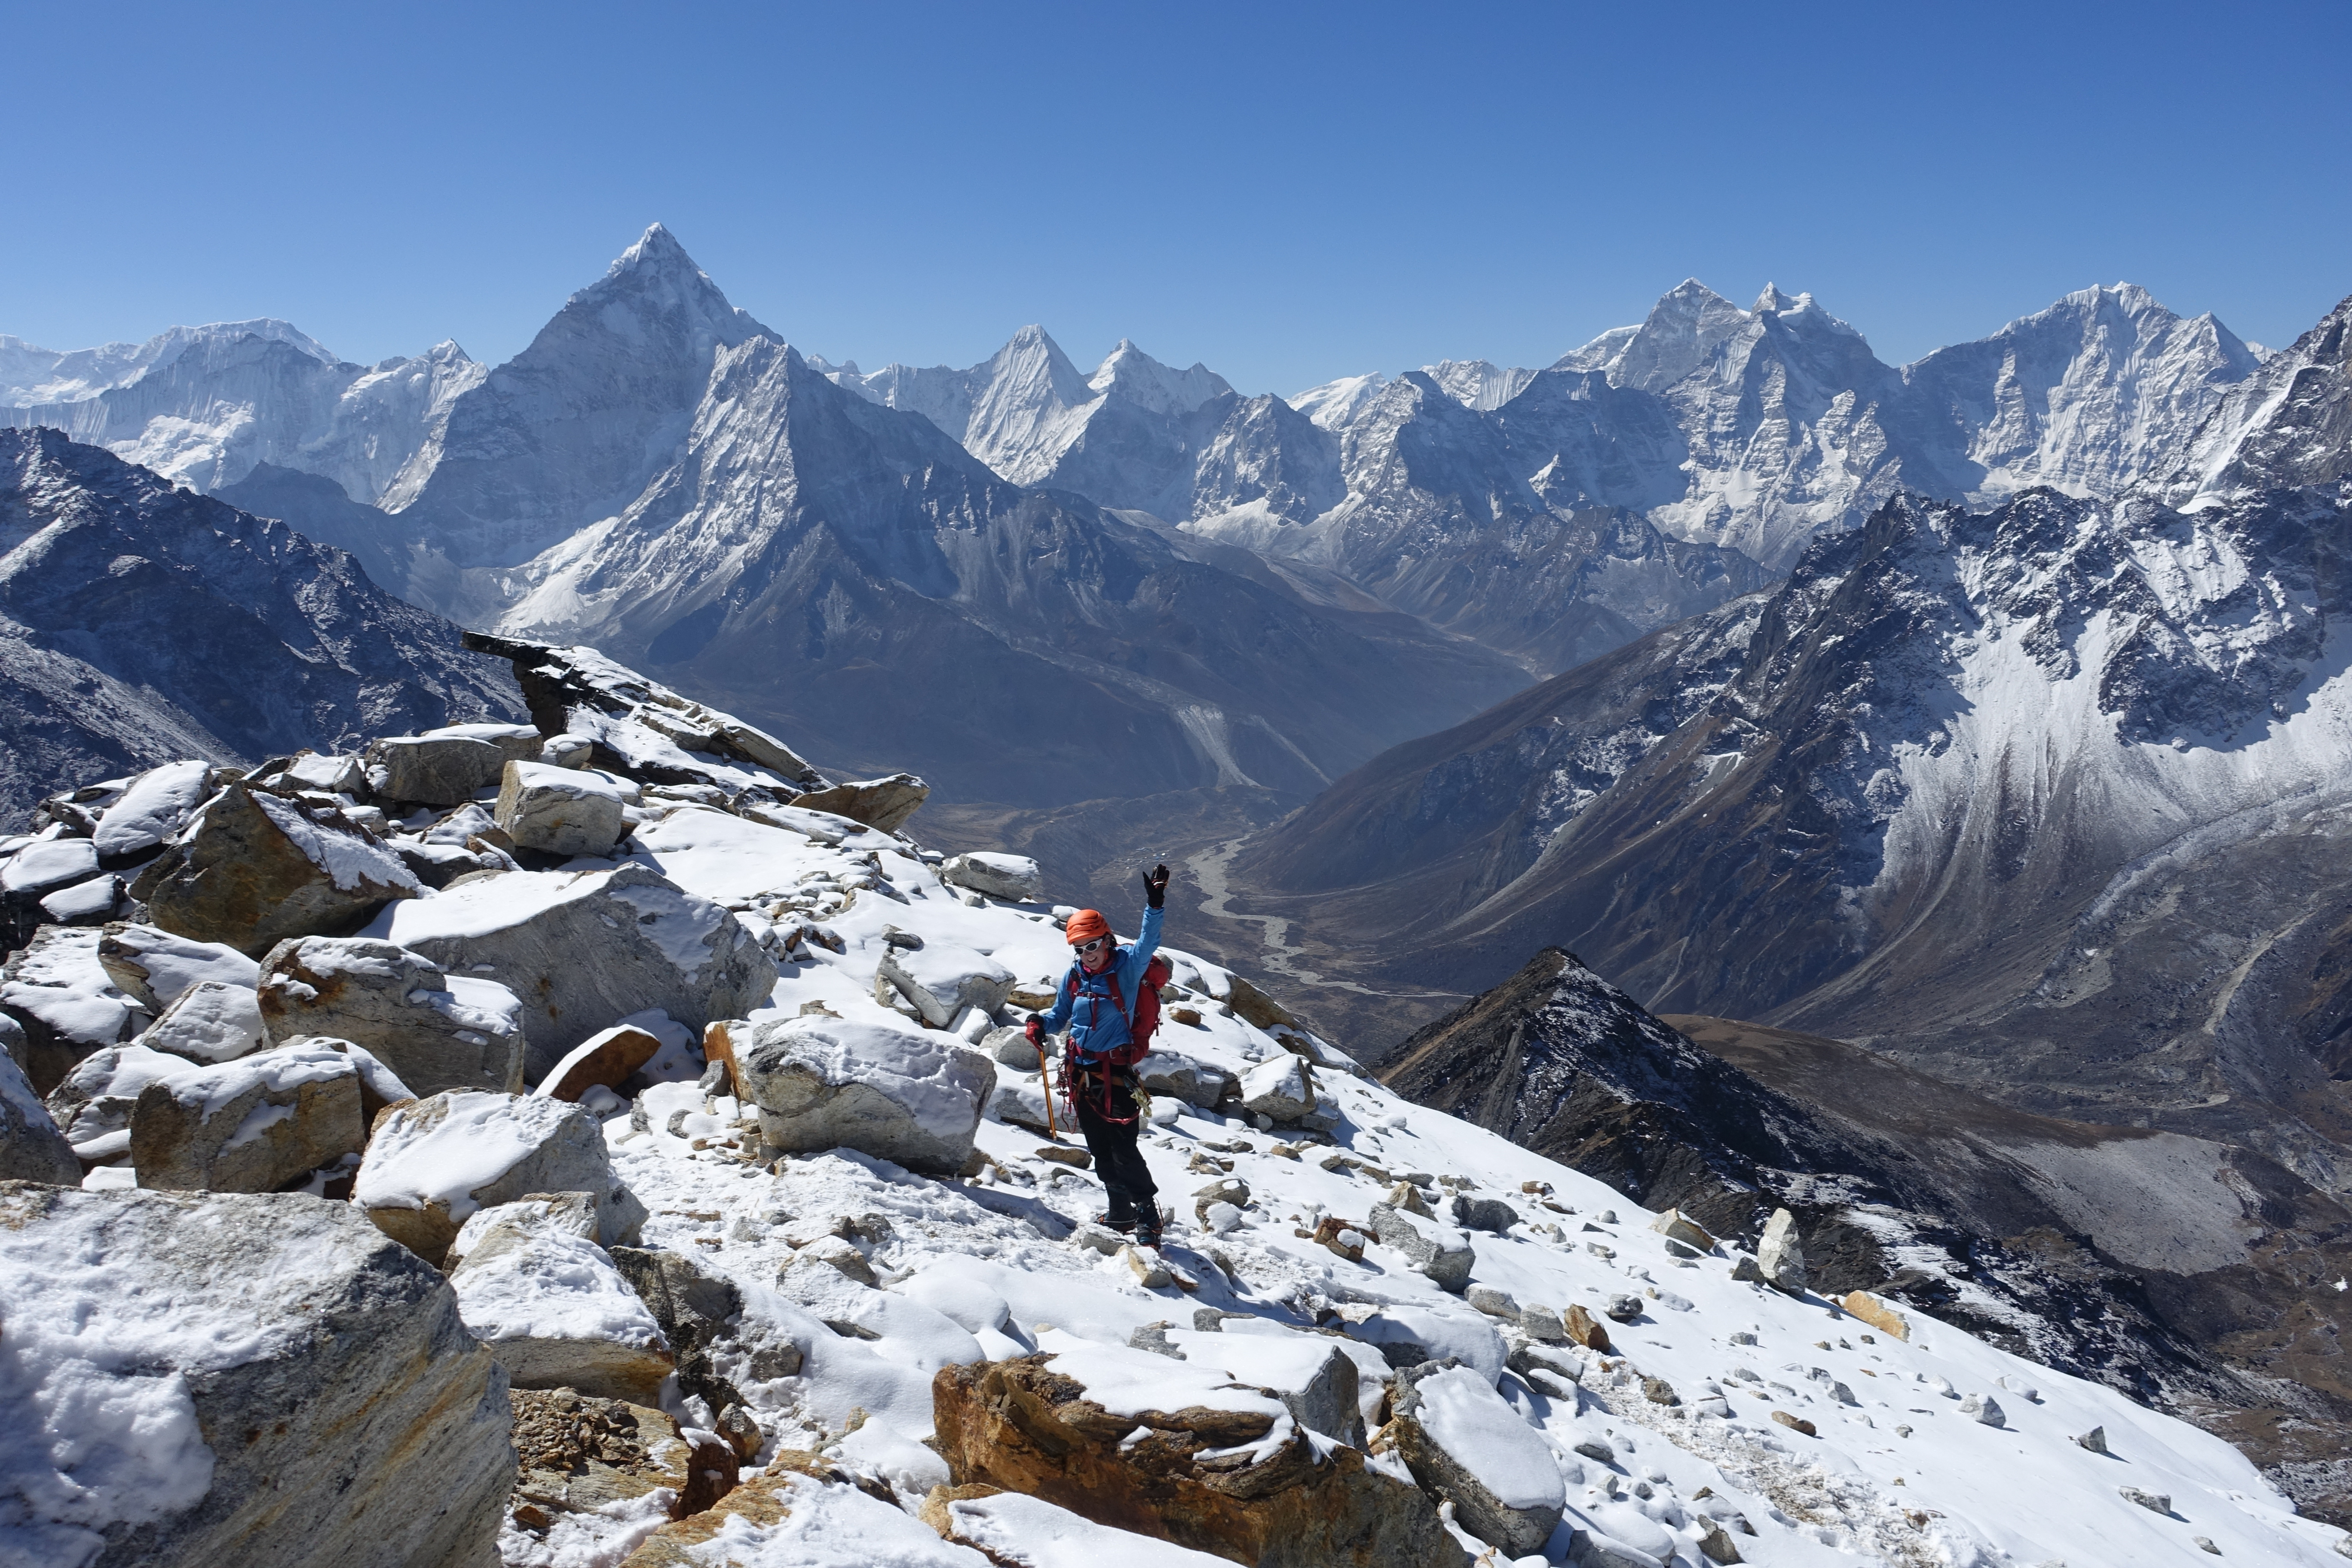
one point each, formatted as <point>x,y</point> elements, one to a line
<point>1046,1082</point>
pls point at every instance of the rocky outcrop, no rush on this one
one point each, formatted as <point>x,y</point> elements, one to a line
<point>883,805</point>
<point>257,868</point>
<point>824,1083</point>
<point>585,950</point>
<point>31,1147</point>
<point>431,1164</point>
<point>445,770</point>
<point>551,1307</point>
<point>307,1396</point>
<point>437,1031</point>
<point>1464,1444</point>
<point>251,1125</point>
<point>561,811</point>
<point>1014,877</point>
<point>1021,1426</point>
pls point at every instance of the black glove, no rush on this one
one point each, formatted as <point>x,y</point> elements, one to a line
<point>1155,886</point>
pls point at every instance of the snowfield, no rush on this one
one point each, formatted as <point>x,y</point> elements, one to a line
<point>1901,1470</point>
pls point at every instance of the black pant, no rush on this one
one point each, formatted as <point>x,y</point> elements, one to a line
<point>1125,1176</point>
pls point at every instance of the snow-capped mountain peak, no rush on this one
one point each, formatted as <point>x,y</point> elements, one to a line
<point>1682,331</point>
<point>31,376</point>
<point>1132,374</point>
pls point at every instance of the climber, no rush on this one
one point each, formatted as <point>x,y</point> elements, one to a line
<point>1100,1001</point>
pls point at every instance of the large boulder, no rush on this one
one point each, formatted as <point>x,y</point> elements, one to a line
<point>47,863</point>
<point>93,1103</point>
<point>562,811</point>
<point>211,1021</point>
<point>554,1310</point>
<point>151,811</point>
<point>32,1148</point>
<point>1439,1251</point>
<point>152,966</point>
<point>1014,877</point>
<point>433,770</point>
<point>1028,1426</point>
<point>266,1381</point>
<point>252,1125</point>
<point>587,949</point>
<point>1170,1072</point>
<point>430,1165</point>
<point>897,1094</point>
<point>436,1030</point>
<point>940,979</point>
<point>608,1058</point>
<point>256,868</point>
<point>1463,1443</point>
<point>1781,1253</point>
<point>1281,1089</point>
<point>66,1003</point>
<point>883,805</point>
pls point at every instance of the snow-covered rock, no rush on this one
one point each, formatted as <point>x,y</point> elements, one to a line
<point>250,1125</point>
<point>1014,877</point>
<point>430,1165</point>
<point>48,864</point>
<point>65,1002</point>
<point>31,1147</point>
<point>587,949</point>
<point>894,1093</point>
<point>564,811</point>
<point>436,1030</point>
<point>551,1307</point>
<point>211,1021</point>
<point>152,810</point>
<point>262,1379</point>
<point>1464,1443</point>
<point>1280,1089</point>
<point>254,869</point>
<point>940,979</point>
<point>153,966</point>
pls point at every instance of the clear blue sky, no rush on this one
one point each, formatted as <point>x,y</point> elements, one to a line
<point>1288,193</point>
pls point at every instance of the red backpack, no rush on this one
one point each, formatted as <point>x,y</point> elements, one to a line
<point>1146,1016</point>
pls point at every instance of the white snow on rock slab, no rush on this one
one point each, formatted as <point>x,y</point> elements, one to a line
<point>941,979</point>
<point>431,1164</point>
<point>65,1002</point>
<point>557,1314</point>
<point>208,1022</point>
<point>153,966</point>
<point>1014,877</point>
<point>562,811</point>
<point>822,1083</point>
<point>156,806</point>
<point>50,863</point>
<point>138,1322</point>
<point>1464,1443</point>
<point>1033,1533</point>
<point>585,950</point>
<point>250,1125</point>
<point>96,1098</point>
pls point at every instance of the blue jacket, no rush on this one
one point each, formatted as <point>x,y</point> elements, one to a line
<point>1096,1026</point>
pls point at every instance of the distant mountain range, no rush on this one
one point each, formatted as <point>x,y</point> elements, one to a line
<point>2053,799</point>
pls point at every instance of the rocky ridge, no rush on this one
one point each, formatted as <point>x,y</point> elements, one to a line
<point>1375,1327</point>
<point>125,599</point>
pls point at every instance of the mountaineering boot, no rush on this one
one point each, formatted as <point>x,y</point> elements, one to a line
<point>1120,1225</point>
<point>1146,1231</point>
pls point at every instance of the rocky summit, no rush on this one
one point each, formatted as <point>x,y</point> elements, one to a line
<point>454,1193</point>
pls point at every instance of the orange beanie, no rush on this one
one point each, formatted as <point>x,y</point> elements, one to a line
<point>1085,926</point>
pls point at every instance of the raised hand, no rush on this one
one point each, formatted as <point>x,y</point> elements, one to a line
<point>1155,886</point>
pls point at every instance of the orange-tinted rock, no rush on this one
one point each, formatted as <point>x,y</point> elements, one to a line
<point>1876,1313</point>
<point>1021,1425</point>
<point>1582,1328</point>
<point>608,1059</point>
